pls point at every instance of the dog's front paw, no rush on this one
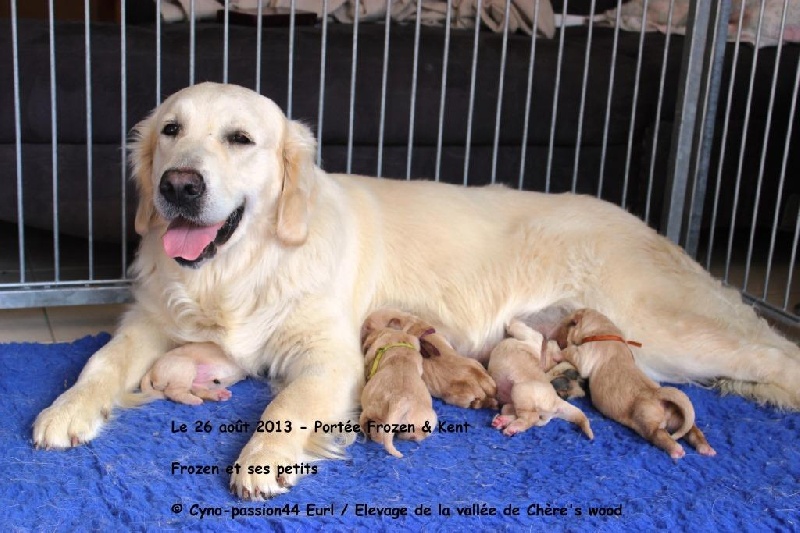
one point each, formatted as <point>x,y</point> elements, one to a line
<point>262,473</point>
<point>75,418</point>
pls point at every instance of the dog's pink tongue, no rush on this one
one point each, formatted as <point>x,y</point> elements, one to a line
<point>187,240</point>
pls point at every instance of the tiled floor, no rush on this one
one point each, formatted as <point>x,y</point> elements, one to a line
<point>57,324</point>
<point>63,324</point>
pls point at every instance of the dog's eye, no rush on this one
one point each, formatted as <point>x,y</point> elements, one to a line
<point>238,137</point>
<point>171,129</point>
<point>217,381</point>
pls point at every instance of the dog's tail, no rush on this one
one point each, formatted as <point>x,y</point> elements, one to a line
<point>146,395</point>
<point>683,405</point>
<point>569,412</point>
<point>375,430</point>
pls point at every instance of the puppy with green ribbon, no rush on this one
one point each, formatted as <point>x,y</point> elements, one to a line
<point>395,400</point>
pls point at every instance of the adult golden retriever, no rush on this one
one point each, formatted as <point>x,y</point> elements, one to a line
<point>247,244</point>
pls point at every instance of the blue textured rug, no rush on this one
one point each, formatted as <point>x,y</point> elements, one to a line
<point>478,479</point>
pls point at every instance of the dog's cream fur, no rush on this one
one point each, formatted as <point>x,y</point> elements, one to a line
<point>523,388</point>
<point>315,253</point>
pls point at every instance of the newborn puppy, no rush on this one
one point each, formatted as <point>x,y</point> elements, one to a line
<point>527,396</point>
<point>395,400</point>
<point>456,379</point>
<point>619,390</point>
<point>188,374</point>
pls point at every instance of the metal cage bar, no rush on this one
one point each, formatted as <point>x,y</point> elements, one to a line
<point>528,100</point>
<point>551,146</point>
<point>443,94</point>
<point>323,57</point>
<point>353,73</point>
<point>635,101</point>
<point>501,78</point>
<point>384,80</point>
<point>709,99</point>
<point>607,116</point>
<point>53,142</point>
<point>89,137</point>
<point>472,82</point>
<point>582,107</point>
<point>685,118</point>
<point>414,79</point>
<point>657,122</point>
<point>18,147</point>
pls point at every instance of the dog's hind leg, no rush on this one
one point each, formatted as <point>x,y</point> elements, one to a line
<point>698,441</point>
<point>692,327</point>
<point>752,361</point>
<point>525,420</point>
<point>662,439</point>
<point>646,421</point>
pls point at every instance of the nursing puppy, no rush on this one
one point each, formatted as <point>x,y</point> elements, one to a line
<point>523,388</point>
<point>188,374</point>
<point>621,391</point>
<point>395,400</point>
<point>246,243</point>
<point>449,376</point>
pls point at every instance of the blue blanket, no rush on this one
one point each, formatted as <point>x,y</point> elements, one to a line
<point>549,477</point>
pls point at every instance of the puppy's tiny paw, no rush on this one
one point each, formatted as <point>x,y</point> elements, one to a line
<point>677,453</point>
<point>517,426</point>
<point>705,449</point>
<point>502,421</point>
<point>223,394</point>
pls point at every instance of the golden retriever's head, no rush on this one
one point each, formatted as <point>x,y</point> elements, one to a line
<point>215,160</point>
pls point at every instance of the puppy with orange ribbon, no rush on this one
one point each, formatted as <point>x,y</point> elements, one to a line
<point>621,391</point>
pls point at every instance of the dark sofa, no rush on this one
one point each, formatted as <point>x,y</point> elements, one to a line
<point>141,97</point>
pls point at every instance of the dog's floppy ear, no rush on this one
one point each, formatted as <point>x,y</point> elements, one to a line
<point>142,145</point>
<point>294,205</point>
<point>395,323</point>
<point>366,328</point>
<point>561,334</point>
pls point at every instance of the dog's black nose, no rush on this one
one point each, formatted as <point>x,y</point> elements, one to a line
<point>182,186</point>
